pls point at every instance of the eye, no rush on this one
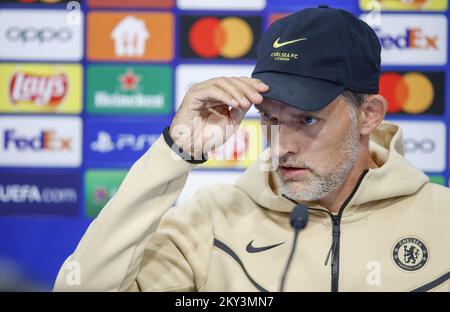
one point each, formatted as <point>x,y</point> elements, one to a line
<point>266,116</point>
<point>309,120</point>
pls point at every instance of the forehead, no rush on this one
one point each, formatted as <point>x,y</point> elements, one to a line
<point>337,107</point>
<point>274,106</point>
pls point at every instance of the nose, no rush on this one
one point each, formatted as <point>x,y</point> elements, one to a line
<point>286,141</point>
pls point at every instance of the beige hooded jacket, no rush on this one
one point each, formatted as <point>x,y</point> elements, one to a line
<point>392,234</point>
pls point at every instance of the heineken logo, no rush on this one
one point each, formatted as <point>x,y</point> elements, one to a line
<point>129,80</point>
<point>129,89</point>
<point>117,100</point>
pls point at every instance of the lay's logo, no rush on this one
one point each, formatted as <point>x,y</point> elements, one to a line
<point>240,150</point>
<point>40,88</point>
<point>411,39</point>
<point>404,5</point>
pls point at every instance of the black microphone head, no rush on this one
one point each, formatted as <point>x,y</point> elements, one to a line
<point>299,217</point>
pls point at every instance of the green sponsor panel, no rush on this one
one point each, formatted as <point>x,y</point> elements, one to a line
<point>438,179</point>
<point>99,186</point>
<point>133,89</point>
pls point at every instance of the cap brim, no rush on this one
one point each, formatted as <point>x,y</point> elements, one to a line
<point>304,93</point>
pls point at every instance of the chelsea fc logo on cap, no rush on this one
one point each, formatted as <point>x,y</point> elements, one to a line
<point>410,254</point>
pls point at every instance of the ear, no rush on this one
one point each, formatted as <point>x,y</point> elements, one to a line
<point>372,113</point>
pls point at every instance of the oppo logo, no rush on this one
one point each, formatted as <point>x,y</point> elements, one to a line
<point>40,35</point>
<point>425,145</point>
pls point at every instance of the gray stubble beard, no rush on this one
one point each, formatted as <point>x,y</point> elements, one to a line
<point>326,180</point>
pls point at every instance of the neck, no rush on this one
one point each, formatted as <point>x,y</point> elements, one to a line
<point>336,199</point>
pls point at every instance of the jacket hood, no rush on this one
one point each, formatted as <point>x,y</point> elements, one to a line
<point>394,177</point>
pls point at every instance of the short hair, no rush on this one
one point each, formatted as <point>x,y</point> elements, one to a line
<point>355,101</point>
<point>355,98</point>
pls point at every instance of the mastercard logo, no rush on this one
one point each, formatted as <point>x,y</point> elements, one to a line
<point>220,37</point>
<point>276,16</point>
<point>411,92</point>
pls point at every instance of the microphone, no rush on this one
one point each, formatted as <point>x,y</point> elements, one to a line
<point>299,220</point>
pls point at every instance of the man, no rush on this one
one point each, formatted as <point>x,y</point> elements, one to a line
<point>376,223</point>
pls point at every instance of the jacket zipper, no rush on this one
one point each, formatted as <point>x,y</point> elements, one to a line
<point>336,231</point>
<point>335,246</point>
<point>335,253</point>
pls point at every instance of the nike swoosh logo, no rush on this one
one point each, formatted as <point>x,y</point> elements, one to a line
<point>251,249</point>
<point>278,44</point>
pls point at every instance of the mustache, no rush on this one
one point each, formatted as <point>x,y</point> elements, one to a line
<point>289,161</point>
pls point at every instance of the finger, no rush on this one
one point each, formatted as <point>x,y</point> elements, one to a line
<point>250,91</point>
<point>213,94</point>
<point>219,110</point>
<point>227,84</point>
<point>238,114</point>
<point>214,104</point>
<point>256,83</point>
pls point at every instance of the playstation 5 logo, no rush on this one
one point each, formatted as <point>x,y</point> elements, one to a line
<point>124,141</point>
<point>103,144</point>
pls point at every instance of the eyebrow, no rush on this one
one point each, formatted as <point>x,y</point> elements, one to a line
<point>295,115</point>
<point>259,108</point>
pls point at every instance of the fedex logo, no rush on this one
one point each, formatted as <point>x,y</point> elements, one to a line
<point>40,141</point>
<point>45,140</point>
<point>411,39</point>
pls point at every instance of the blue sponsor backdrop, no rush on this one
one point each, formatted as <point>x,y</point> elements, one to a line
<point>38,237</point>
<point>49,193</point>
<point>118,143</point>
